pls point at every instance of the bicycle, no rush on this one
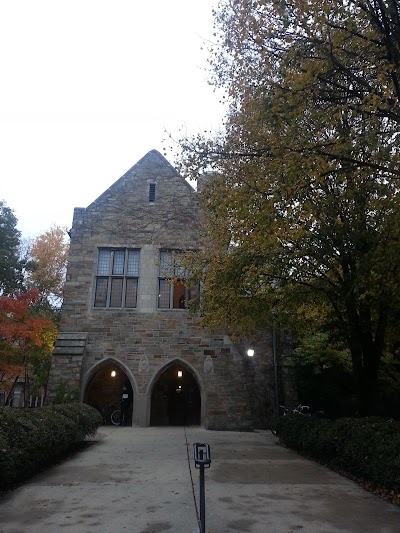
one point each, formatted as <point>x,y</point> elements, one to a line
<point>106,412</point>
<point>111,415</point>
<point>116,417</point>
<point>302,410</point>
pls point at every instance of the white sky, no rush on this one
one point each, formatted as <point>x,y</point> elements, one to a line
<point>87,88</point>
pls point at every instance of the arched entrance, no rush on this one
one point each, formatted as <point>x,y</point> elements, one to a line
<point>175,399</point>
<point>105,390</point>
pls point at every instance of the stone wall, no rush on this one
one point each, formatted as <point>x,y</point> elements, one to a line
<point>145,340</point>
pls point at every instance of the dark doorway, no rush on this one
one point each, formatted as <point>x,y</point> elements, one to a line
<point>105,390</point>
<point>175,400</point>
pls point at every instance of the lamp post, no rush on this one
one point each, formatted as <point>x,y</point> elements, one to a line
<point>274,358</point>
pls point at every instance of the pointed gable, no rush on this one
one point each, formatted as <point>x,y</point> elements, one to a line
<point>151,201</point>
<point>152,166</point>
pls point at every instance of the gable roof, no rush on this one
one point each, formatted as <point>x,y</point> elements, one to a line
<point>152,158</point>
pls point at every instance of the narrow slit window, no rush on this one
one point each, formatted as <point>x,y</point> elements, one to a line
<point>152,192</point>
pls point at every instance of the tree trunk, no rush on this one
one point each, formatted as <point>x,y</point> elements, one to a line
<point>366,347</point>
<point>366,358</point>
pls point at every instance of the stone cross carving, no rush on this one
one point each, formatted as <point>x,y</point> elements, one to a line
<point>143,364</point>
<point>208,365</point>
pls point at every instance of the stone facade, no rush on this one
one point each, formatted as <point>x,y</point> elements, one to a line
<point>151,209</point>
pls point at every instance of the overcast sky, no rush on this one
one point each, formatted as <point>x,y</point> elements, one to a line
<point>87,88</point>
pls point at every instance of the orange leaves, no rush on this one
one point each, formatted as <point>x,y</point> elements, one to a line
<point>19,327</point>
<point>50,253</point>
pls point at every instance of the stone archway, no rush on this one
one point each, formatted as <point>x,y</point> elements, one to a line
<point>175,398</point>
<point>104,390</point>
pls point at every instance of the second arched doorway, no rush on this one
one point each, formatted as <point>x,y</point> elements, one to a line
<point>175,398</point>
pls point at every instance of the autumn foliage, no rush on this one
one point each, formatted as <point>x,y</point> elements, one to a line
<point>32,276</point>
<point>49,255</point>
<point>26,338</point>
<point>18,326</point>
<point>303,205</point>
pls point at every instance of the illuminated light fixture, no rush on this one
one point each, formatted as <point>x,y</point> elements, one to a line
<point>113,373</point>
<point>250,352</point>
<point>180,373</point>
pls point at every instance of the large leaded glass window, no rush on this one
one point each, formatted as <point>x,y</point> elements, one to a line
<point>172,291</point>
<point>117,278</point>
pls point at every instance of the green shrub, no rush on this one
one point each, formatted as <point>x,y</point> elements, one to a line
<point>86,419</point>
<point>368,448</point>
<point>65,393</point>
<point>32,439</point>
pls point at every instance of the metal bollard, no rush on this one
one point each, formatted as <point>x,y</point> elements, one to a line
<point>202,460</point>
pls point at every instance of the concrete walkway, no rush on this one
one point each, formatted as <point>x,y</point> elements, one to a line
<point>141,481</point>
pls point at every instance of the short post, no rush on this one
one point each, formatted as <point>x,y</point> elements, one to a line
<point>202,460</point>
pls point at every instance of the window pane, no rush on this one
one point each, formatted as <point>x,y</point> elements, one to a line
<point>118,264</point>
<point>103,267</point>
<point>179,295</point>
<point>100,299</point>
<point>166,265</point>
<point>163,294</point>
<point>133,263</point>
<point>116,292</point>
<point>131,292</point>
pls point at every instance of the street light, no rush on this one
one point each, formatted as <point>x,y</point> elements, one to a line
<point>250,352</point>
<point>113,373</point>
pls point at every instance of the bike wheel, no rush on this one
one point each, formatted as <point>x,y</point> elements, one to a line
<point>116,417</point>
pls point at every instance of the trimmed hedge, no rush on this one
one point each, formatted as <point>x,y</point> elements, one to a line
<point>366,448</point>
<point>32,439</point>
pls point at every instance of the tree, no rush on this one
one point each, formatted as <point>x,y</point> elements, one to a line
<point>9,374</point>
<point>10,264</point>
<point>49,255</point>
<point>26,339</point>
<point>323,372</point>
<point>304,212</point>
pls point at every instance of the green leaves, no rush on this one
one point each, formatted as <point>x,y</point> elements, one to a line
<point>305,183</point>
<point>33,439</point>
<point>366,448</point>
<point>10,263</point>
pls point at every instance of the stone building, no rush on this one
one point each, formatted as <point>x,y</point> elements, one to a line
<point>124,324</point>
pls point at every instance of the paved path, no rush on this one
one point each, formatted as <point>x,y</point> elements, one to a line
<point>140,481</point>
